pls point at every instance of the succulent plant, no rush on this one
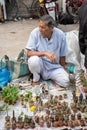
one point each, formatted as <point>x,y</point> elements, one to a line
<point>83,80</point>
<point>10,94</point>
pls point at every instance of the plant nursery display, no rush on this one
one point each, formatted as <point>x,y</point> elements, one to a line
<point>54,113</point>
<point>40,107</point>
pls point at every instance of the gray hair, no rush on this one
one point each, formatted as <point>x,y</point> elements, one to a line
<point>49,20</point>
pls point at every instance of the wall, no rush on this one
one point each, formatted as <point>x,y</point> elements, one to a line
<point>21,8</point>
<point>2,2</point>
<point>62,5</point>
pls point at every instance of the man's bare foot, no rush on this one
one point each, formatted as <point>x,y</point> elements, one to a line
<point>35,83</point>
<point>54,83</point>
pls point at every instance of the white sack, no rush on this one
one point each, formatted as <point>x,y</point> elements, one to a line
<point>74,56</point>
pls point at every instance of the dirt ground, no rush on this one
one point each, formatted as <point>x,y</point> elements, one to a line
<point>14,35</point>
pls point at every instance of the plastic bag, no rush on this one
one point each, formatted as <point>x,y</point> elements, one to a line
<point>74,55</point>
<point>5,76</point>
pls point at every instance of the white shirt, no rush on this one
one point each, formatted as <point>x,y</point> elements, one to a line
<point>57,44</point>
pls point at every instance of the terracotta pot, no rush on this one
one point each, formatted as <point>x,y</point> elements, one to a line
<point>52,118</point>
<point>48,123</point>
<point>20,119</point>
<point>14,126</point>
<point>75,99</point>
<point>78,106</point>
<point>26,126</point>
<point>56,117</point>
<point>61,123</point>
<point>32,125</point>
<point>76,123</point>
<point>56,124</point>
<point>22,102</point>
<point>82,122</point>
<point>74,110</point>
<point>7,125</point>
<point>65,122</point>
<point>72,116</point>
<point>37,119</point>
<point>7,118</point>
<point>41,123</point>
<point>84,89</point>
<point>82,108</point>
<point>70,124</point>
<point>13,102</point>
<point>13,119</point>
<point>79,116</point>
<point>60,97</point>
<point>19,125</point>
<point>65,95</point>
<point>48,112</point>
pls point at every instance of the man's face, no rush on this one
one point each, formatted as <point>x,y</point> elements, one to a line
<point>44,29</point>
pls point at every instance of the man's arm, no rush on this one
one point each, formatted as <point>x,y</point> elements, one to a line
<point>63,51</point>
<point>62,60</point>
<point>35,53</point>
<point>49,55</point>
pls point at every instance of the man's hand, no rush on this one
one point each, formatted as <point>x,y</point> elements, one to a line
<point>51,56</point>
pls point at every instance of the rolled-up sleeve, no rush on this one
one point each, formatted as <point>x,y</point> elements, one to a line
<point>31,44</point>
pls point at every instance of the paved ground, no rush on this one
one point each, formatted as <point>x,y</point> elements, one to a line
<point>14,35</point>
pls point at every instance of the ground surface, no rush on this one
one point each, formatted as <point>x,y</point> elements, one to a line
<point>14,35</point>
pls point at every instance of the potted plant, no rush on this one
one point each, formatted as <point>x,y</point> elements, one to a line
<point>65,122</point>
<point>79,116</point>
<point>41,123</point>
<point>32,124</point>
<point>85,117</point>
<point>61,123</point>
<point>82,122</point>
<point>20,125</point>
<point>28,94</point>
<point>20,118</point>
<point>70,124</point>
<point>60,97</point>
<point>76,123</point>
<point>84,83</point>
<point>8,125</point>
<point>48,124</point>
<point>7,118</point>
<point>65,95</point>
<point>10,94</point>
<point>82,108</point>
<point>14,118</point>
<point>36,118</point>
<point>72,116</point>
<point>26,125</point>
<point>14,126</point>
<point>56,124</point>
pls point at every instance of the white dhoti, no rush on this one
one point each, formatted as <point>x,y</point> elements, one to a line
<point>36,67</point>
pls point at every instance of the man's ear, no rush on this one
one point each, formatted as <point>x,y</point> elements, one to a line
<point>51,27</point>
